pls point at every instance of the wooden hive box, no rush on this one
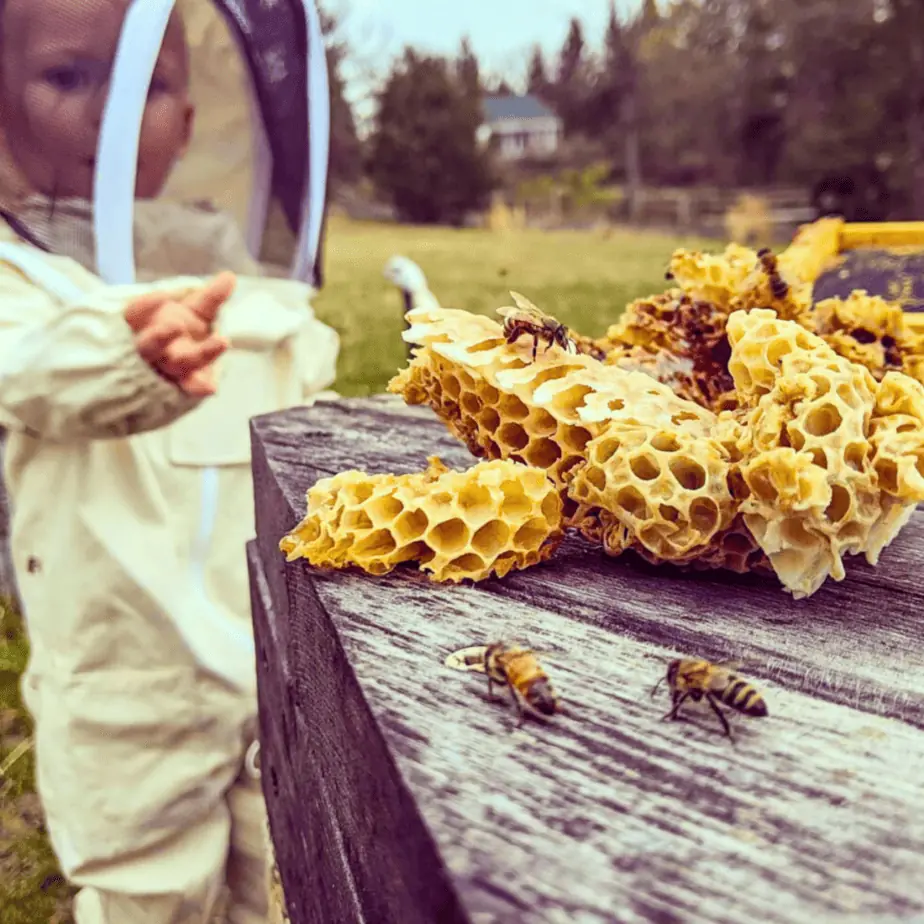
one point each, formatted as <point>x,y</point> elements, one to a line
<point>398,794</point>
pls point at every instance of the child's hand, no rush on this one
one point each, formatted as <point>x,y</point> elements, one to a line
<point>173,333</point>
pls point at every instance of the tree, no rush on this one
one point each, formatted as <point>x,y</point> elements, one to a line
<point>571,88</point>
<point>424,154</point>
<point>345,149</point>
<point>467,70</point>
<point>537,75</point>
<point>763,95</point>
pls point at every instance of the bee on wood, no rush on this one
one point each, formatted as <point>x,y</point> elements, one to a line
<point>519,669</point>
<point>689,678</point>
<point>526,318</point>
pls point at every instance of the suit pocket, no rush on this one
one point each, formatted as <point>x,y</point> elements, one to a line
<point>217,432</point>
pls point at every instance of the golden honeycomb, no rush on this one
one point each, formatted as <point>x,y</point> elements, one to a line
<point>544,413</point>
<point>492,518</point>
<point>814,444</point>
<point>869,330</point>
<point>678,340</point>
<point>666,490</point>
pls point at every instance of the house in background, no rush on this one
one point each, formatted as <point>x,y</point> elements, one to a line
<point>521,126</point>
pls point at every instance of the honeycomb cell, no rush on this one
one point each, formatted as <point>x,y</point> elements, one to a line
<point>383,510</point>
<point>688,472</point>
<point>665,442</point>
<point>489,419</point>
<point>491,539</point>
<point>644,467</point>
<point>530,535</point>
<point>356,519</point>
<point>470,403</point>
<point>575,438</point>
<point>411,525</point>
<point>448,537</point>
<point>541,423</point>
<point>823,420</point>
<point>543,453</point>
<point>377,544</point>
<point>513,437</point>
<point>631,501</point>
<point>511,407</point>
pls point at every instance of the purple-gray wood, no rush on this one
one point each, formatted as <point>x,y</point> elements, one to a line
<point>398,793</point>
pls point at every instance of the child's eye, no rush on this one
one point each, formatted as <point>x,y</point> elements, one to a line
<point>77,76</point>
<point>67,79</point>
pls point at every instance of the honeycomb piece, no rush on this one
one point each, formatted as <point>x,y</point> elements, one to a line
<point>814,459</point>
<point>713,278</point>
<point>666,492</point>
<point>495,517</point>
<point>759,343</point>
<point>679,341</point>
<point>543,413</point>
<point>897,437</point>
<point>865,329</point>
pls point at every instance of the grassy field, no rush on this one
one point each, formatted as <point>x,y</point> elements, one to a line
<point>584,278</point>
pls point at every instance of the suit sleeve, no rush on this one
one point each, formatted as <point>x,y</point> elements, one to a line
<point>72,372</point>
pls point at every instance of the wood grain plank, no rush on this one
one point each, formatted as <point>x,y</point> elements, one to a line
<point>608,814</point>
<point>858,642</point>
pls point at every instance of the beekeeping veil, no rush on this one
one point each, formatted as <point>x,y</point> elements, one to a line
<point>260,137</point>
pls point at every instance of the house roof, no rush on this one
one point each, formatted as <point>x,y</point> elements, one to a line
<point>498,108</point>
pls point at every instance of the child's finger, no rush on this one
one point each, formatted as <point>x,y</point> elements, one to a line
<point>199,384</point>
<point>186,356</point>
<point>152,341</point>
<point>207,302</point>
<point>140,312</point>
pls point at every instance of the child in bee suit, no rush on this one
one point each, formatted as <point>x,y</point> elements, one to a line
<point>127,408</point>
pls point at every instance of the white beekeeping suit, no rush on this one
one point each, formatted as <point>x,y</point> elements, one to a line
<point>132,499</point>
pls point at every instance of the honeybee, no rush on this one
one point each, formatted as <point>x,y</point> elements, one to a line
<point>717,683</point>
<point>778,286</point>
<point>519,669</point>
<point>526,318</point>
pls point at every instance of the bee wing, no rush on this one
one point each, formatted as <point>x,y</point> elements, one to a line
<point>731,666</point>
<point>524,304</point>
<point>467,659</point>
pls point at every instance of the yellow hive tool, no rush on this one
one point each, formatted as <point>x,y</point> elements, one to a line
<point>885,258</point>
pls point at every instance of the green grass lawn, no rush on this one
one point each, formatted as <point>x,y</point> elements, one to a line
<point>583,278</point>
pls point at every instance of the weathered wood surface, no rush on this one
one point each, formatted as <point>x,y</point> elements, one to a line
<point>397,792</point>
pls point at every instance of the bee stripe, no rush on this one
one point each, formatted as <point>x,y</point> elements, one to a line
<point>736,694</point>
<point>752,702</point>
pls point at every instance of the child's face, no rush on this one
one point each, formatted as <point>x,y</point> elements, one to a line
<point>55,66</point>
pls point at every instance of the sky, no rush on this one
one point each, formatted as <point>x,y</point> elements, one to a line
<point>502,32</point>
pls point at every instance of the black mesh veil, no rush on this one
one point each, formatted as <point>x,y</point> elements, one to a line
<point>273,36</point>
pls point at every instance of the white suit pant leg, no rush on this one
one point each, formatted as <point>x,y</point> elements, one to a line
<point>212,874</point>
<point>248,856</point>
<point>179,880</point>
